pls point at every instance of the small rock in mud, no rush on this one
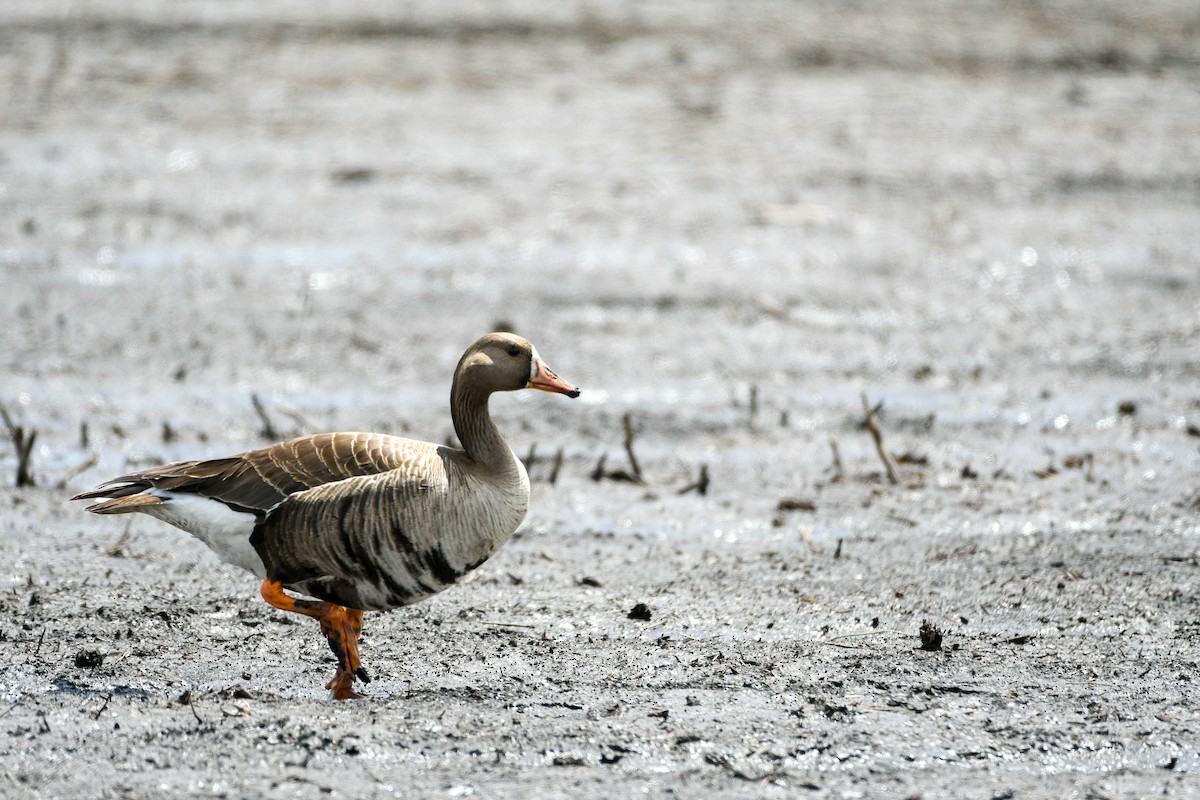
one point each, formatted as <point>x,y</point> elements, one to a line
<point>837,712</point>
<point>89,659</point>
<point>640,612</point>
<point>931,636</point>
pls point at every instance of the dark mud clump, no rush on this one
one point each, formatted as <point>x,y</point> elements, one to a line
<point>931,636</point>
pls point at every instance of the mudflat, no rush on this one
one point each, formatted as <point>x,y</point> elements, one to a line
<point>739,228</point>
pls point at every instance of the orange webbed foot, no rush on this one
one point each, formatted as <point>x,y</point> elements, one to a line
<point>341,687</point>
<point>341,627</point>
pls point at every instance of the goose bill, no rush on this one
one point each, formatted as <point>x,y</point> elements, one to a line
<point>545,379</point>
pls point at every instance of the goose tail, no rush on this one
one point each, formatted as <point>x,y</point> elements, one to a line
<point>125,505</point>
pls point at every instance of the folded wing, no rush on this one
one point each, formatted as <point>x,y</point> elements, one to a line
<point>258,480</point>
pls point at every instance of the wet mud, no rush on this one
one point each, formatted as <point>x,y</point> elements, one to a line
<point>883,481</point>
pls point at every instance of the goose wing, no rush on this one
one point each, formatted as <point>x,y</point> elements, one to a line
<point>372,541</point>
<point>258,480</point>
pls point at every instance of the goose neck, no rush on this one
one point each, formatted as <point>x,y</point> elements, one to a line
<point>473,425</point>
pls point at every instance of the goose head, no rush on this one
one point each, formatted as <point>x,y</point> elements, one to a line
<point>504,362</point>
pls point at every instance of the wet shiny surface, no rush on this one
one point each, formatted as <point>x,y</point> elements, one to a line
<point>983,216</point>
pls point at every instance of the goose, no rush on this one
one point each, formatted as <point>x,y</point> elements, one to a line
<point>357,522</point>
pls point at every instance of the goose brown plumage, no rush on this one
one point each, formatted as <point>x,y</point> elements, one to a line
<point>360,521</point>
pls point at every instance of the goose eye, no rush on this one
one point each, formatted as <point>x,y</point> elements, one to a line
<point>513,350</point>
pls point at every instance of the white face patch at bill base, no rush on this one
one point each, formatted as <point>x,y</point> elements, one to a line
<point>533,364</point>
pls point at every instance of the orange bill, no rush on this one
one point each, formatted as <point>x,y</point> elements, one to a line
<point>545,379</point>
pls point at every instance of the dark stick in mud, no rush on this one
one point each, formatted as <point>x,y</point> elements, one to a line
<point>839,471</point>
<point>268,430</point>
<point>633,463</point>
<point>700,484</point>
<point>23,441</point>
<point>598,470</point>
<point>872,424</point>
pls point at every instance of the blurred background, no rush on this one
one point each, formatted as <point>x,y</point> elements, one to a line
<point>984,212</point>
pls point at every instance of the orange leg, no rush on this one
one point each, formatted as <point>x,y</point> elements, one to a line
<point>341,627</point>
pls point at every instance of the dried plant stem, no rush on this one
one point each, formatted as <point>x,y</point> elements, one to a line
<point>872,424</point>
<point>838,471</point>
<point>268,430</point>
<point>23,442</point>
<point>700,485</point>
<point>598,470</point>
<point>633,462</point>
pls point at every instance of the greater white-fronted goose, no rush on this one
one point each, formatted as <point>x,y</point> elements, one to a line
<point>361,521</point>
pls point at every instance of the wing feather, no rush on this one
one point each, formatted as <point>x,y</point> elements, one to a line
<point>258,480</point>
<point>367,531</point>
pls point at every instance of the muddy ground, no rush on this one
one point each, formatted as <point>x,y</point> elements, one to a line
<point>726,220</point>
